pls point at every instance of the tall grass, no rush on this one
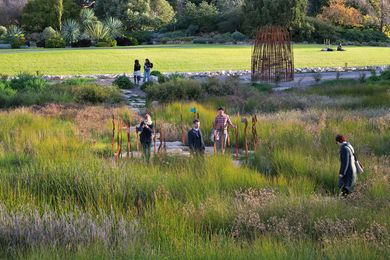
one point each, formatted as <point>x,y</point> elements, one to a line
<point>61,199</point>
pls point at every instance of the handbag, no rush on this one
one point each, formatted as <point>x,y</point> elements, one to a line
<point>359,167</point>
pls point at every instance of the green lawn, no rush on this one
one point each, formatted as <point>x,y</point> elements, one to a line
<point>173,58</point>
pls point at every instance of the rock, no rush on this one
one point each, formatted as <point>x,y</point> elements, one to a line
<point>154,103</point>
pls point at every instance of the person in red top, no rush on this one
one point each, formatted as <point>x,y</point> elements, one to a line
<point>221,123</point>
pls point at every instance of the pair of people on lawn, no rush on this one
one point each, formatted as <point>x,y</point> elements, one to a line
<point>137,71</point>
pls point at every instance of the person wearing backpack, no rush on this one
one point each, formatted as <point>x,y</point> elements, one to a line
<point>348,166</point>
<point>147,68</point>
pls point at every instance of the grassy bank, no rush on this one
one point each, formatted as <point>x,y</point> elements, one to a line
<point>175,58</point>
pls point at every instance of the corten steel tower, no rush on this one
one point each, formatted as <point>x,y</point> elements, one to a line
<point>272,56</point>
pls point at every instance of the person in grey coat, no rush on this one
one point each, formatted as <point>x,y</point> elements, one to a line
<point>195,139</point>
<point>347,173</point>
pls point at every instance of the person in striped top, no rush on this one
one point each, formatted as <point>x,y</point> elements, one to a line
<point>221,123</point>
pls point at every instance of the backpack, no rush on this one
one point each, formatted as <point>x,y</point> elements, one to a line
<point>151,65</point>
<point>359,167</point>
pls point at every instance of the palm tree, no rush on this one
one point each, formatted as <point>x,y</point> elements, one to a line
<point>114,26</point>
<point>70,31</point>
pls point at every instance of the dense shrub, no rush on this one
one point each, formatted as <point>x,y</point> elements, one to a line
<point>165,40</point>
<point>146,84</point>
<point>126,41</point>
<point>41,43</point>
<point>217,87</point>
<point>3,31</point>
<point>48,33</point>
<point>17,41</point>
<point>142,36</point>
<point>83,43</point>
<point>179,89</point>
<point>237,36</point>
<point>106,43</point>
<point>123,82</point>
<point>55,42</point>
<point>159,75</point>
<point>96,94</point>
<point>222,38</point>
<point>26,81</point>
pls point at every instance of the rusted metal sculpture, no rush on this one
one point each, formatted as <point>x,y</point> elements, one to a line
<point>272,56</point>
<point>254,132</point>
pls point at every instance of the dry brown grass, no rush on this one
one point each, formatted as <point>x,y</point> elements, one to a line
<point>89,120</point>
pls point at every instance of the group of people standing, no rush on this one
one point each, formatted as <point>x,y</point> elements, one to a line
<point>349,164</point>
<point>137,71</point>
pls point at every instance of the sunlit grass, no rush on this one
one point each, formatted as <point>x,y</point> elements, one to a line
<point>175,58</point>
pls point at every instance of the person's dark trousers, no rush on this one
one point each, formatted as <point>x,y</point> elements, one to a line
<point>146,148</point>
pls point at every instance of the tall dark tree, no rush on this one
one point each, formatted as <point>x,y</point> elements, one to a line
<point>315,6</point>
<point>39,14</point>
<point>287,13</point>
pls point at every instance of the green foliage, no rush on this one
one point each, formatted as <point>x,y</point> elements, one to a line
<point>106,43</point>
<point>237,36</point>
<point>97,31</point>
<point>148,15</point>
<point>88,18</point>
<point>123,82</point>
<point>55,42</point>
<point>14,30</point>
<point>159,75</point>
<point>274,12</point>
<point>27,82</point>
<point>70,31</point>
<point>3,32</point>
<point>48,33</point>
<point>17,40</point>
<point>114,27</point>
<point>217,87</point>
<point>203,17</point>
<point>112,8</point>
<point>94,94</point>
<point>39,14</point>
<point>178,89</point>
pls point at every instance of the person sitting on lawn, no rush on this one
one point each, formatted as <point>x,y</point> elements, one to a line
<point>340,47</point>
<point>195,139</point>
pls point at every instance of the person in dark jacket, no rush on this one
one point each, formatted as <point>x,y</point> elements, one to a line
<point>137,72</point>
<point>195,139</point>
<point>146,130</point>
<point>347,173</point>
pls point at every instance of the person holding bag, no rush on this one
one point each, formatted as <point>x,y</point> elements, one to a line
<point>349,166</point>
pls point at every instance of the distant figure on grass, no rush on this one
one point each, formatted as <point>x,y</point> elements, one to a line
<point>195,139</point>
<point>137,72</point>
<point>146,129</point>
<point>147,68</point>
<point>340,47</point>
<point>348,173</point>
<point>221,123</point>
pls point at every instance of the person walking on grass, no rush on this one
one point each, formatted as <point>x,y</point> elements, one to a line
<point>146,130</point>
<point>147,68</point>
<point>348,172</point>
<point>221,123</point>
<point>195,139</point>
<point>137,72</point>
